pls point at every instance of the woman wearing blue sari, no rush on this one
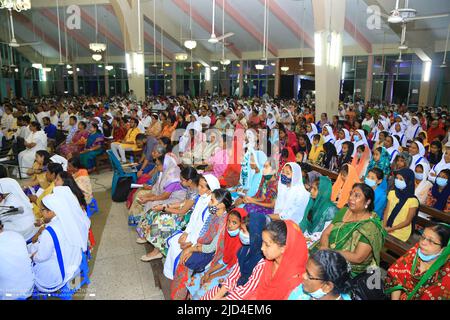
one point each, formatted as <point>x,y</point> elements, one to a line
<point>375,180</point>
<point>93,147</point>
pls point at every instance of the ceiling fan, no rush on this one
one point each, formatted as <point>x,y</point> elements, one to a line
<point>404,15</point>
<point>13,43</point>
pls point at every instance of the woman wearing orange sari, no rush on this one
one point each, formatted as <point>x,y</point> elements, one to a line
<point>343,185</point>
<point>284,248</point>
<point>361,160</point>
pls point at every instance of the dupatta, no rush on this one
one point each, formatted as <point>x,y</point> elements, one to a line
<point>343,189</point>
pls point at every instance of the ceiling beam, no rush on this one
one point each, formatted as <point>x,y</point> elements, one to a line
<point>34,28</point>
<point>101,29</point>
<point>74,33</point>
<point>357,36</point>
<point>290,23</point>
<point>247,26</point>
<point>202,22</point>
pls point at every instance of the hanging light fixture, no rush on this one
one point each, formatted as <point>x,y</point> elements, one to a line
<point>284,68</point>
<point>444,63</point>
<point>70,72</point>
<point>190,44</point>
<point>259,66</point>
<point>181,56</point>
<point>96,46</point>
<point>37,65</point>
<point>69,66</point>
<point>214,68</point>
<point>109,67</point>
<point>17,5</point>
<point>97,56</point>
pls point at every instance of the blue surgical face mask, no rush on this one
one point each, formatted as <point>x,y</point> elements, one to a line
<point>426,258</point>
<point>400,184</point>
<point>285,180</point>
<point>371,183</point>
<point>441,182</point>
<point>419,176</point>
<point>318,294</point>
<point>356,138</point>
<point>245,238</point>
<point>233,233</point>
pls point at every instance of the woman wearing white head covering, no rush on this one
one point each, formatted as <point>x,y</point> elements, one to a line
<point>16,274</point>
<point>397,129</point>
<point>376,131</point>
<point>13,196</point>
<point>199,216</point>
<point>422,185</point>
<point>418,157</point>
<point>330,136</point>
<point>50,274</point>
<point>72,204</point>
<point>292,197</point>
<point>271,121</point>
<point>394,149</point>
<point>339,142</point>
<point>359,138</point>
<point>312,132</point>
<point>413,130</point>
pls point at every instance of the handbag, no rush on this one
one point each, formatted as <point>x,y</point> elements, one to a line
<point>198,261</point>
<point>368,286</point>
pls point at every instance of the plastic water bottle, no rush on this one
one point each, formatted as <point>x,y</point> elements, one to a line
<point>131,159</point>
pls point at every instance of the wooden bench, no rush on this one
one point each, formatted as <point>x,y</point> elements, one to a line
<point>394,248</point>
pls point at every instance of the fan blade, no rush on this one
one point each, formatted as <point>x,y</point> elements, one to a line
<point>29,44</point>
<point>427,17</point>
<point>224,36</point>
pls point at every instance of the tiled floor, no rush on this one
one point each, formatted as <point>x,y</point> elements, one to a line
<point>118,272</point>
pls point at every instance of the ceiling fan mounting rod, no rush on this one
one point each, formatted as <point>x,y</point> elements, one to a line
<point>12,24</point>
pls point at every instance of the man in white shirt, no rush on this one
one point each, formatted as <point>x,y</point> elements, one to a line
<point>204,119</point>
<point>7,122</point>
<point>40,115</point>
<point>54,117</point>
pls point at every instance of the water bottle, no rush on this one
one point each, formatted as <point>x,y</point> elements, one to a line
<point>131,159</point>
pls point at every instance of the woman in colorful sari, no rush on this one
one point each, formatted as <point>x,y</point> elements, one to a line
<point>181,240</point>
<point>320,211</point>
<point>257,160</point>
<point>356,232</point>
<point>246,172</point>
<point>195,258</point>
<point>77,144</point>
<point>37,172</point>
<point>167,189</point>
<point>93,147</point>
<point>165,219</point>
<point>292,197</point>
<point>81,177</point>
<point>421,183</point>
<point>345,157</point>
<point>375,179</point>
<point>382,160</point>
<point>217,164</point>
<point>326,278</point>
<point>246,273</point>
<point>402,206</point>
<point>317,150</point>
<point>264,200</point>
<point>286,254</point>
<point>423,272</point>
<point>224,259</point>
<point>361,160</point>
<point>343,185</point>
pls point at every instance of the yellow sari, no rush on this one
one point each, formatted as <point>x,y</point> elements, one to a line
<point>316,150</point>
<point>38,205</point>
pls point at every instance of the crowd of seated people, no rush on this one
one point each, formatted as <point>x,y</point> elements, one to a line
<point>230,197</point>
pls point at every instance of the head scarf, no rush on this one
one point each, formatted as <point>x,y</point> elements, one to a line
<point>69,223</point>
<point>249,256</point>
<point>402,195</point>
<point>73,206</point>
<point>380,198</point>
<point>292,201</point>
<point>271,122</point>
<point>361,164</point>
<point>339,142</point>
<point>413,130</point>
<point>343,189</point>
<point>231,245</point>
<point>212,181</point>
<point>330,137</point>
<point>418,158</point>
<point>316,150</point>
<point>255,178</point>
<point>440,196</point>
<point>290,271</point>
<point>312,133</point>
<point>348,157</point>
<point>394,150</point>
<point>291,158</point>
<point>363,141</point>
<point>384,163</point>
<point>314,219</point>
<point>11,186</point>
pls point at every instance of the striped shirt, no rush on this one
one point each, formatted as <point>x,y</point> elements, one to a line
<point>238,292</point>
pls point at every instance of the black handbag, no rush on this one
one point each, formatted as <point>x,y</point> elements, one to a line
<point>122,189</point>
<point>368,285</point>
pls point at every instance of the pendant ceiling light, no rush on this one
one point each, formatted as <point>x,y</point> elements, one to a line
<point>190,44</point>
<point>96,46</point>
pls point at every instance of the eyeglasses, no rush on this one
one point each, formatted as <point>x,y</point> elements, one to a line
<point>423,238</point>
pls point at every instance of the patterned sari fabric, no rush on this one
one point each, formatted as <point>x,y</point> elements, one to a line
<point>88,159</point>
<point>213,226</point>
<point>76,145</point>
<point>347,235</point>
<point>158,226</point>
<point>268,191</point>
<point>404,275</point>
<point>383,164</point>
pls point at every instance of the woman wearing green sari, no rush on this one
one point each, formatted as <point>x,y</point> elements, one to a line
<point>356,232</point>
<point>93,147</point>
<point>320,211</point>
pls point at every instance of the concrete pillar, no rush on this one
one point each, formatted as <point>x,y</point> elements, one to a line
<point>328,39</point>
<point>174,78</point>
<point>75,80</point>
<point>425,84</point>
<point>241,78</point>
<point>276,90</point>
<point>369,81</point>
<point>129,21</point>
<point>106,82</point>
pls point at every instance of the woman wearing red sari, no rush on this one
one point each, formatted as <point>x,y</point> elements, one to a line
<point>423,273</point>
<point>76,145</point>
<point>284,248</point>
